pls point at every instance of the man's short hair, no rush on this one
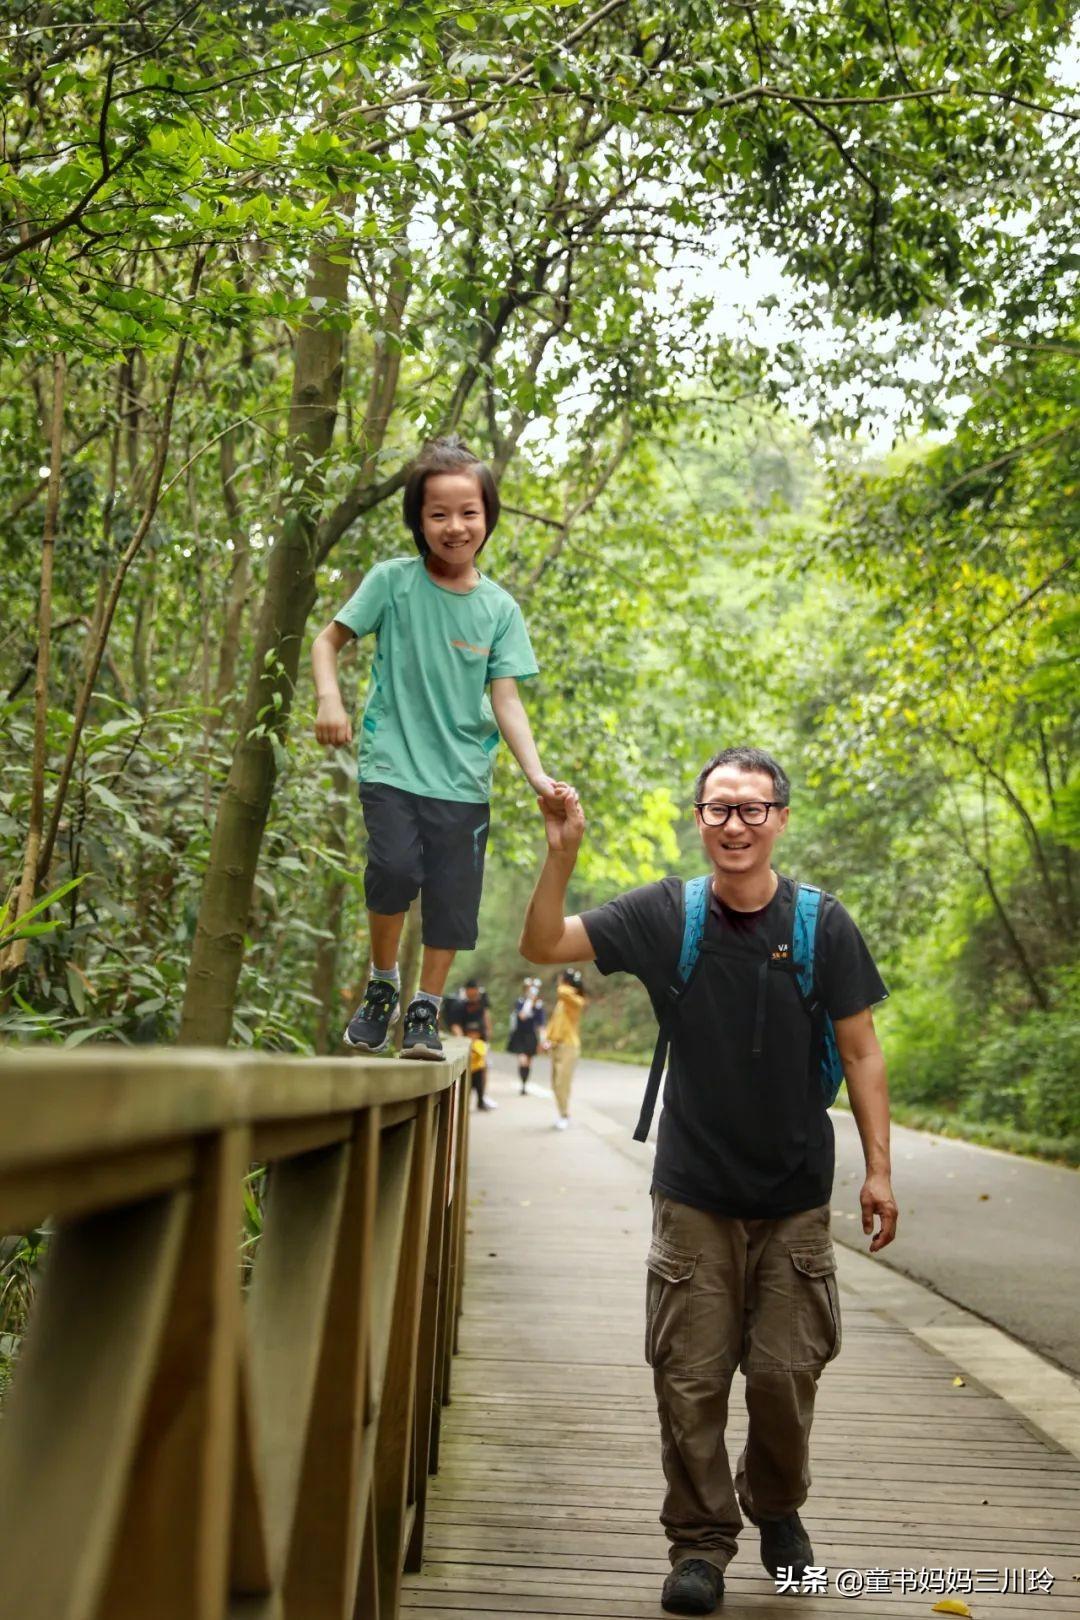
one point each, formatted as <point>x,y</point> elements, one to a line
<point>446,455</point>
<point>747,759</point>
<point>472,984</point>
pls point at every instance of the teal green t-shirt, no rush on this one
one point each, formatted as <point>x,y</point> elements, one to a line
<point>428,725</point>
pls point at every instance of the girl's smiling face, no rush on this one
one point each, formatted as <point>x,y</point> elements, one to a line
<point>454,521</point>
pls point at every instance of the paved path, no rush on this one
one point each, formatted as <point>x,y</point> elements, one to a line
<point>995,1233</point>
<point>549,1485</point>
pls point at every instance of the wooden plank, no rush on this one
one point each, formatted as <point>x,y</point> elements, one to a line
<point>286,1315</point>
<point>108,1099</point>
<point>460,1216</point>
<point>448,1296</point>
<point>249,1559</point>
<point>286,1138</point>
<point>428,1370</point>
<point>395,1165</point>
<point>171,1555</point>
<point>76,1186</point>
<point>396,1434</point>
<point>396,1113</point>
<point>72,1422</point>
<point>324,1554</point>
<point>453,1506</point>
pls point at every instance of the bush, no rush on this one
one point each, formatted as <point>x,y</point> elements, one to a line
<point>928,1047</point>
<point>1025,1074</point>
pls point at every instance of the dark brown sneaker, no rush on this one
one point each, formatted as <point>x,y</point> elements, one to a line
<point>694,1587</point>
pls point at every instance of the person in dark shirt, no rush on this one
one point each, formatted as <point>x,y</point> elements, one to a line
<point>470,1011</point>
<point>741,1270</point>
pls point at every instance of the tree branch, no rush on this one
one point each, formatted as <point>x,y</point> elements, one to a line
<point>108,170</point>
<point>133,547</point>
<point>1028,596</point>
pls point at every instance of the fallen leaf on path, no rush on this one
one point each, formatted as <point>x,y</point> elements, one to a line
<point>984,1198</point>
<point>951,1606</point>
<point>958,1383</point>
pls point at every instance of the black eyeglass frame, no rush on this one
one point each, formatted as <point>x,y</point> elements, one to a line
<point>701,805</point>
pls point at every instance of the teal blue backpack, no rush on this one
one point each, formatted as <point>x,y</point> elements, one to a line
<point>804,935</point>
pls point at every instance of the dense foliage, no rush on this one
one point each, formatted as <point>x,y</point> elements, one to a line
<point>250,256</point>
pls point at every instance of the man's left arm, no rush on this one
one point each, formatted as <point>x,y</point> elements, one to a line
<point>868,1091</point>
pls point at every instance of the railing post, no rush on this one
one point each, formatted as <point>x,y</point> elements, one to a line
<point>394,1445</point>
<point>172,1449</point>
<point>428,1371</point>
<point>171,1557</point>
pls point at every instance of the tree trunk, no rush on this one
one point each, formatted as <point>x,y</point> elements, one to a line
<point>16,953</point>
<point>244,807</point>
<point>239,582</point>
<point>1016,943</point>
<point>142,639</point>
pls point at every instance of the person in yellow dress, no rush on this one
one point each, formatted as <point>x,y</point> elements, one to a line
<point>564,1041</point>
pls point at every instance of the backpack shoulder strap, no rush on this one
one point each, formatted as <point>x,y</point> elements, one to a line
<point>804,936</point>
<point>695,909</point>
<point>695,906</point>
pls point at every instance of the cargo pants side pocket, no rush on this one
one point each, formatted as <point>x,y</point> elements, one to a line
<point>668,1296</point>
<point>815,1314</point>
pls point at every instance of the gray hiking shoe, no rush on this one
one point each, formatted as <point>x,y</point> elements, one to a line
<point>694,1587</point>
<point>422,1031</point>
<point>369,1026</point>
<point>785,1545</point>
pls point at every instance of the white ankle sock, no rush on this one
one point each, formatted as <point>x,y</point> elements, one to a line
<point>389,975</point>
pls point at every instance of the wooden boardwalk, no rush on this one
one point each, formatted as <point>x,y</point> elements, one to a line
<point>549,1485</point>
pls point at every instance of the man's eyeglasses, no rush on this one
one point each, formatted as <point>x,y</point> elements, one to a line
<point>753,814</point>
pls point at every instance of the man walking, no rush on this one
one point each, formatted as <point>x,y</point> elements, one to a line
<point>741,1270</point>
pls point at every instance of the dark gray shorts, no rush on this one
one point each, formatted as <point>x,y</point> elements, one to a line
<point>431,847</point>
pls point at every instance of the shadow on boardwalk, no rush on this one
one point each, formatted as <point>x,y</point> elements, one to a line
<point>549,1486</point>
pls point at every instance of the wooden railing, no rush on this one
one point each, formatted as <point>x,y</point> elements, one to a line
<point>191,1435</point>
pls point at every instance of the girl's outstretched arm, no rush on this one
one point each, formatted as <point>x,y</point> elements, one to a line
<point>513,722</point>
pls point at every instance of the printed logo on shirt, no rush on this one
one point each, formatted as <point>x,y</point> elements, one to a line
<point>781,953</point>
<point>468,646</point>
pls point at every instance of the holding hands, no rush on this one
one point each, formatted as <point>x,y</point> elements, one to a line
<point>564,819</point>
<point>547,790</point>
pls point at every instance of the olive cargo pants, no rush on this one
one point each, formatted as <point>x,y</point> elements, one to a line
<point>725,1293</point>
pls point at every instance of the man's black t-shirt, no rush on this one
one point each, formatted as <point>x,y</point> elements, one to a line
<point>469,1017</point>
<point>742,1134</point>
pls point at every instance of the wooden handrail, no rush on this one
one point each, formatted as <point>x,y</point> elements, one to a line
<point>177,1446</point>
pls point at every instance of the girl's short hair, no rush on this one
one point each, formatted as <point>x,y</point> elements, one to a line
<point>446,455</point>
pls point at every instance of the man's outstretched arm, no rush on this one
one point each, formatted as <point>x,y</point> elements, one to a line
<point>549,935</point>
